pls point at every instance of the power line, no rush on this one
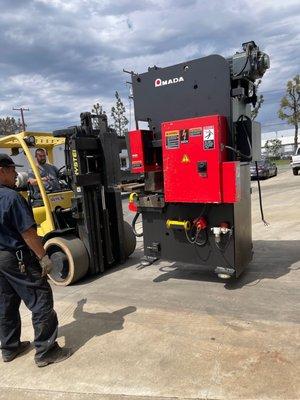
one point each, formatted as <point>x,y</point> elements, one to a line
<point>274,123</point>
<point>272,91</point>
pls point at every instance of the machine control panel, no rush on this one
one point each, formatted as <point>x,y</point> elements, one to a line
<point>202,168</point>
<point>194,158</point>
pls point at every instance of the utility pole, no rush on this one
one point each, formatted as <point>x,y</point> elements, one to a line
<point>130,98</point>
<point>22,115</point>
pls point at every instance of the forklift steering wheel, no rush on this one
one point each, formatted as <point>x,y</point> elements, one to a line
<point>61,168</point>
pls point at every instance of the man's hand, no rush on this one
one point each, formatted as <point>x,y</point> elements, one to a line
<point>34,182</point>
<point>34,242</point>
<point>47,265</point>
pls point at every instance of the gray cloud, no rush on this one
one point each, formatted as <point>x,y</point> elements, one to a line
<point>60,57</point>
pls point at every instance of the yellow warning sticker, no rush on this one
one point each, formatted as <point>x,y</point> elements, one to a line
<point>172,133</point>
<point>185,159</point>
<point>172,140</point>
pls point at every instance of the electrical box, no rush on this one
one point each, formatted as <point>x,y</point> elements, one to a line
<point>195,164</point>
<point>144,158</point>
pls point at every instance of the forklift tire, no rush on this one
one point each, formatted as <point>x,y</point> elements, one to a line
<point>70,259</point>
<point>129,240</point>
<point>295,171</point>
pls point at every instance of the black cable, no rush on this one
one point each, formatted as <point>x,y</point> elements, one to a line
<point>240,118</point>
<point>242,70</point>
<point>238,152</point>
<point>133,225</point>
<point>199,253</point>
<point>203,242</point>
<point>260,198</point>
<point>192,239</point>
<point>223,249</point>
<point>246,133</point>
<point>225,259</point>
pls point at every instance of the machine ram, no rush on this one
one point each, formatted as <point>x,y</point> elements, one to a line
<point>195,154</point>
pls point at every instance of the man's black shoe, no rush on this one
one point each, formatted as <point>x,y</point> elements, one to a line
<point>23,346</point>
<point>54,355</point>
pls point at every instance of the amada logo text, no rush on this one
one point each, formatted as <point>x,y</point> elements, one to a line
<point>163,82</point>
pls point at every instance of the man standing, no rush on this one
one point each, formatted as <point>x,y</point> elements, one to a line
<point>48,172</point>
<point>24,266</point>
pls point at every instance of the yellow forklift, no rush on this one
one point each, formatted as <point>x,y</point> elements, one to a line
<point>81,225</point>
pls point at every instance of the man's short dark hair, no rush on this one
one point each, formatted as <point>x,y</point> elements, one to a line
<point>39,150</point>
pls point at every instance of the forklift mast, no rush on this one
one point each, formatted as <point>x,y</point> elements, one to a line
<point>93,172</point>
<point>195,154</point>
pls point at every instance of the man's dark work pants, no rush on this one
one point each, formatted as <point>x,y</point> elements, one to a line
<point>36,293</point>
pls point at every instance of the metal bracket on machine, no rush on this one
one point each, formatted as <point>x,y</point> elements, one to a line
<point>150,259</point>
<point>151,201</point>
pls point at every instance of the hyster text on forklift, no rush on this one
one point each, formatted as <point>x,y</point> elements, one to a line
<point>195,155</point>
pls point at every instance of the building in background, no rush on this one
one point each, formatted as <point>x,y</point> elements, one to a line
<point>286,137</point>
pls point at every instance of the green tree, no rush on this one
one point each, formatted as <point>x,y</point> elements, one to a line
<point>98,110</point>
<point>290,106</point>
<point>9,125</point>
<point>118,115</point>
<point>273,148</point>
<point>259,102</point>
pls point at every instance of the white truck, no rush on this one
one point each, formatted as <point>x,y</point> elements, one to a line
<point>295,164</point>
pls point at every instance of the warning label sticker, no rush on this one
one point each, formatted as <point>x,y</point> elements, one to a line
<point>196,131</point>
<point>137,164</point>
<point>185,159</point>
<point>184,136</point>
<point>208,137</point>
<point>172,139</point>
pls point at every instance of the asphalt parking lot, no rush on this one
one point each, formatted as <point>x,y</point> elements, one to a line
<point>176,331</point>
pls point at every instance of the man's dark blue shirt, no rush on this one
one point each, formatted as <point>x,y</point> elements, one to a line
<point>15,218</point>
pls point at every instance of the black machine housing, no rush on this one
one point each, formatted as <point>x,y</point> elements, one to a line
<point>206,86</point>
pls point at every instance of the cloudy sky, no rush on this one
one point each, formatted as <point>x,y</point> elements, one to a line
<point>59,57</point>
